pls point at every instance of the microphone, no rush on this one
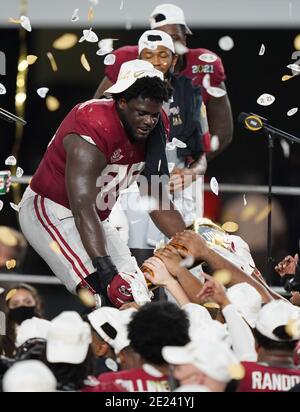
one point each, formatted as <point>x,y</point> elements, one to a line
<point>10,117</point>
<point>256,123</point>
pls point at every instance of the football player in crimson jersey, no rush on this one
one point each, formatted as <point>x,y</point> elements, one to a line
<point>100,147</point>
<point>193,64</point>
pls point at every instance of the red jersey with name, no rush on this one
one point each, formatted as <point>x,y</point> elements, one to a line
<point>263,378</point>
<point>195,67</point>
<point>97,122</point>
<point>132,380</point>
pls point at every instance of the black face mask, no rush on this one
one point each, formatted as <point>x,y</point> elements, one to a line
<point>22,313</point>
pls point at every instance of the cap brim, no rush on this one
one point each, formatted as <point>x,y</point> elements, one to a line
<point>119,87</point>
<point>176,355</point>
<point>58,353</point>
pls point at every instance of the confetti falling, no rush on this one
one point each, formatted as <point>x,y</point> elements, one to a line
<point>105,46</point>
<point>226,43</point>
<point>15,21</point>
<point>10,264</point>
<point>180,49</point>
<point>11,161</point>
<point>66,41</point>
<point>2,89</point>
<point>216,91</point>
<point>90,14</point>
<point>87,298</point>
<point>52,61</point>
<point>159,165</point>
<point>109,59</point>
<point>244,200</point>
<point>222,276</point>
<point>25,23</point>
<point>42,92</point>
<point>286,77</point>
<point>266,99</point>
<point>75,16</point>
<point>214,143</point>
<point>54,246</point>
<point>230,227</point>
<point>89,36</point>
<point>297,42</point>
<point>122,5</point>
<point>31,59</point>
<point>214,185</point>
<point>19,172</point>
<point>10,294</point>
<point>7,237</point>
<point>293,111</point>
<point>208,57</point>
<point>52,103</point>
<point>285,148</point>
<point>1,205</point>
<point>85,63</point>
<point>14,206</point>
<point>206,81</point>
<point>262,50</point>
<point>236,371</point>
<point>294,67</point>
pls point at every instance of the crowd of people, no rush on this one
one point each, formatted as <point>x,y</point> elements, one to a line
<point>115,209</point>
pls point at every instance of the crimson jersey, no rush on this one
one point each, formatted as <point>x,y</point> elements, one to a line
<point>263,378</point>
<point>145,379</point>
<point>195,68</point>
<point>97,122</point>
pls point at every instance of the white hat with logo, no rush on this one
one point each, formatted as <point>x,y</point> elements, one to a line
<point>130,72</point>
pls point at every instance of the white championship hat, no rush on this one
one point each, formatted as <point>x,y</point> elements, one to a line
<point>167,14</point>
<point>151,39</point>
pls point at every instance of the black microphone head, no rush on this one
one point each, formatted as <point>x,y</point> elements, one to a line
<point>250,121</point>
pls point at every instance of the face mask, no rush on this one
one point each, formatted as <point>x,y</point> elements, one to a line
<point>22,313</point>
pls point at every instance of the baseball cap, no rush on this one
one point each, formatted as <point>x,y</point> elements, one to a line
<point>212,357</point>
<point>247,301</point>
<point>68,339</point>
<point>32,328</point>
<point>167,14</point>
<point>275,314</point>
<point>111,326</point>
<point>150,39</point>
<point>130,72</point>
<point>29,376</point>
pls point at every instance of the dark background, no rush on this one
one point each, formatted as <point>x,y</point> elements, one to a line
<point>248,76</point>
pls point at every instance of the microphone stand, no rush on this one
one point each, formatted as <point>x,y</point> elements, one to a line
<point>10,117</point>
<point>271,133</point>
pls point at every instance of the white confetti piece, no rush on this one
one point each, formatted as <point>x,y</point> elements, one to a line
<point>159,165</point>
<point>105,46</point>
<point>208,57</point>
<point>94,2</point>
<point>266,99</point>
<point>122,5</point>
<point>291,112</point>
<point>25,23</point>
<point>2,89</point>
<point>214,143</point>
<point>216,91</point>
<point>244,200</point>
<point>128,25</point>
<point>285,148</point>
<point>294,67</point>
<point>89,36</point>
<point>42,92</point>
<point>14,206</point>
<point>187,262</point>
<point>180,48</point>
<point>19,172</point>
<point>109,59</point>
<point>206,81</point>
<point>214,185</point>
<point>262,50</point>
<point>1,205</point>
<point>75,16</point>
<point>226,43</point>
<point>11,161</point>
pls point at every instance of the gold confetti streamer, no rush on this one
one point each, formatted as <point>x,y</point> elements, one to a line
<point>66,41</point>
<point>52,103</point>
<point>52,61</point>
<point>85,63</point>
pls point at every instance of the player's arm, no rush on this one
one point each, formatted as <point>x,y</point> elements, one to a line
<point>84,165</point>
<point>104,85</point>
<point>220,121</point>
